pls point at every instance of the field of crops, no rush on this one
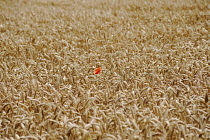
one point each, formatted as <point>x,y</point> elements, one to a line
<point>154,76</point>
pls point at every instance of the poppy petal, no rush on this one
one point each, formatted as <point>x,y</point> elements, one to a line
<point>97,70</point>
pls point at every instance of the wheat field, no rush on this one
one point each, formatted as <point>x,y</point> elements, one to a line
<point>154,82</point>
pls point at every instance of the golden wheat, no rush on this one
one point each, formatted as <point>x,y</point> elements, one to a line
<point>154,56</point>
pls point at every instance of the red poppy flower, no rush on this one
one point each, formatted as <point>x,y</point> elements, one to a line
<point>97,70</point>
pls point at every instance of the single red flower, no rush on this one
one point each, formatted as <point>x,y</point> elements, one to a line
<point>97,70</point>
